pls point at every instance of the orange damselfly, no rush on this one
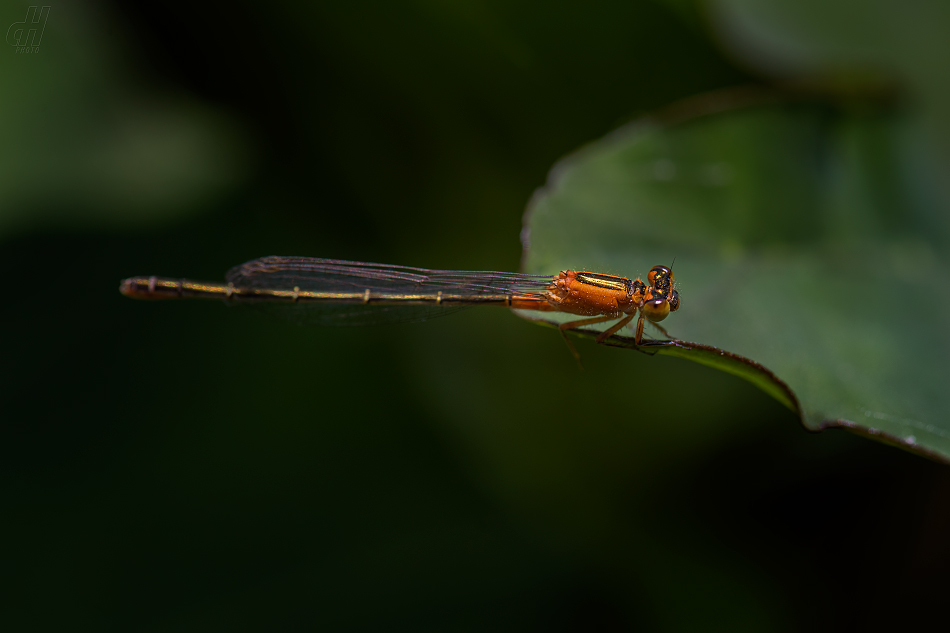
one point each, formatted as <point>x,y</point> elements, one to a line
<point>338,292</point>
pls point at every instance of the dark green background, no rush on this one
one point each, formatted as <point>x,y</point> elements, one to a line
<point>194,467</point>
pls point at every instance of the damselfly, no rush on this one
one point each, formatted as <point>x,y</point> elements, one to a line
<point>337,292</point>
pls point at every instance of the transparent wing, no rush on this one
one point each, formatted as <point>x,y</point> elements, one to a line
<point>399,293</point>
<point>318,275</point>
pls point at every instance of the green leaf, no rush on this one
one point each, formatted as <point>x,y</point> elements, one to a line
<point>801,240</point>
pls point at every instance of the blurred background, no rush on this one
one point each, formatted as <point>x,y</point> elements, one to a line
<point>175,466</point>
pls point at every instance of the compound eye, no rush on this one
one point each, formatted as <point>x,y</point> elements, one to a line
<point>675,302</point>
<point>659,274</point>
<point>656,309</point>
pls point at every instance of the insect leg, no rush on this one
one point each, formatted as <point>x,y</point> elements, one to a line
<point>570,325</point>
<point>615,327</point>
